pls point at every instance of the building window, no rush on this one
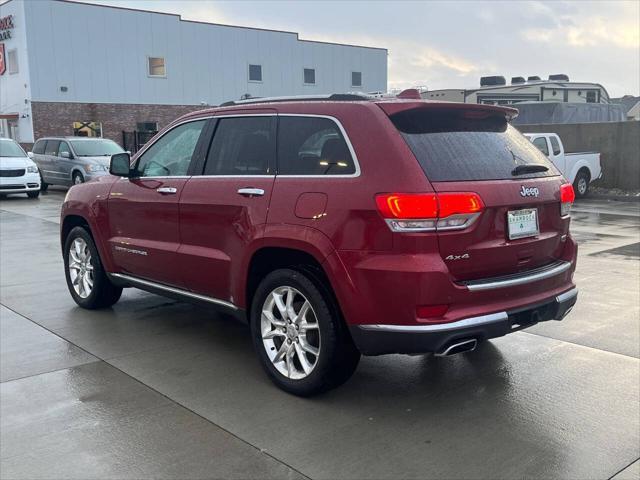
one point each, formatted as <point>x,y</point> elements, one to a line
<point>12,61</point>
<point>591,96</point>
<point>309,76</point>
<point>356,79</point>
<point>147,126</point>
<point>87,129</point>
<point>156,67</point>
<point>255,73</point>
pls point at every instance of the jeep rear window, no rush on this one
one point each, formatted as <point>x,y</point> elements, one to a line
<point>458,145</point>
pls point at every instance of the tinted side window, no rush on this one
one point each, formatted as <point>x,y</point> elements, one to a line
<point>312,146</point>
<point>242,146</point>
<point>541,143</point>
<point>64,147</point>
<point>171,155</point>
<point>52,147</point>
<point>39,147</point>
<point>555,145</point>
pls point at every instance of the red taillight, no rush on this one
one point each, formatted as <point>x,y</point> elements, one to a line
<point>567,197</point>
<point>415,212</point>
<point>456,203</point>
<point>408,206</point>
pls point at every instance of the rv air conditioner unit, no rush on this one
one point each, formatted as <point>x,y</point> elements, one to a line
<point>517,80</point>
<point>492,81</point>
<point>533,79</point>
<point>559,77</point>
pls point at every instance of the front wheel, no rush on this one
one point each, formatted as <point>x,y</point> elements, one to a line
<point>581,184</point>
<point>299,336</point>
<point>78,178</point>
<point>86,279</point>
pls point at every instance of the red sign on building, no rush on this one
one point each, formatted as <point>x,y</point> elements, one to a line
<point>3,62</point>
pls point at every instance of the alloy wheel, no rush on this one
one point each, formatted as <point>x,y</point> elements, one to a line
<point>290,332</point>
<point>80,268</point>
<point>582,185</point>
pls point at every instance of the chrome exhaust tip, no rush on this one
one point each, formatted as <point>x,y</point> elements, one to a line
<point>458,347</point>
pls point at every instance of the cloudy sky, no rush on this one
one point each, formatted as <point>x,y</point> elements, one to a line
<point>450,44</point>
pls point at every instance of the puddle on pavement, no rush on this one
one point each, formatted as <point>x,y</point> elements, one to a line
<point>632,251</point>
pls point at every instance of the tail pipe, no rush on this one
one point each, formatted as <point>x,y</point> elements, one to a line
<point>458,347</point>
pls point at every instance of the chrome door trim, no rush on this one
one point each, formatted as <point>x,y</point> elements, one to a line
<point>480,285</point>
<point>177,291</point>
<point>439,327</point>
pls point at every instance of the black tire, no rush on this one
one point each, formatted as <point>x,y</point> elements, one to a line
<point>35,194</point>
<point>581,183</point>
<point>104,293</point>
<point>338,357</point>
<point>78,178</point>
<point>43,185</point>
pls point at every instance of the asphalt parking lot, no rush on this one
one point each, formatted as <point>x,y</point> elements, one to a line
<point>155,388</point>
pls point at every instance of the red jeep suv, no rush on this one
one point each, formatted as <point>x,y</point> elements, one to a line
<point>336,226</point>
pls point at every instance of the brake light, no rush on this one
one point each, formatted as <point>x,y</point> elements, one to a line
<point>567,197</point>
<point>423,212</point>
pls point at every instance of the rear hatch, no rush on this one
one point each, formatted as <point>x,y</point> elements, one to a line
<point>472,148</point>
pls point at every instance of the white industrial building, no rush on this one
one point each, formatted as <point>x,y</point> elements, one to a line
<point>74,68</point>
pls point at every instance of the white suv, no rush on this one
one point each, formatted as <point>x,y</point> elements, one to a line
<point>18,173</point>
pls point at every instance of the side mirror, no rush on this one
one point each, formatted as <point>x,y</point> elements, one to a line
<point>30,154</point>
<point>65,154</point>
<point>120,165</point>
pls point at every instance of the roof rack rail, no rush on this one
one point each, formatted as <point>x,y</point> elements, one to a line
<point>334,97</point>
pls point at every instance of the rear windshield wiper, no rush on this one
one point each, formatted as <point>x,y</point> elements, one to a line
<point>531,168</point>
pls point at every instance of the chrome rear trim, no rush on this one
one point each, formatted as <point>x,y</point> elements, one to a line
<point>439,327</point>
<point>518,279</point>
<point>146,283</point>
<point>563,297</point>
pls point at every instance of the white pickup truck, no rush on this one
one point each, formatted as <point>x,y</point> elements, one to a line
<point>579,168</point>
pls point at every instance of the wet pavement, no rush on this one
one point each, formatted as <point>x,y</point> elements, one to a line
<point>155,388</point>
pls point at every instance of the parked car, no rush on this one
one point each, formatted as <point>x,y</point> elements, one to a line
<point>416,227</point>
<point>18,174</point>
<point>72,160</point>
<point>579,168</point>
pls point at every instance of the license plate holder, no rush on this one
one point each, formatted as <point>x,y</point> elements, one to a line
<point>522,223</point>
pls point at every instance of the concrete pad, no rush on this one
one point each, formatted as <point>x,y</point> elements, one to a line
<point>607,313</point>
<point>632,472</point>
<point>522,406</point>
<point>27,349</point>
<point>93,421</point>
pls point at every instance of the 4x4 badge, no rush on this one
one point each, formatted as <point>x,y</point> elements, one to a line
<point>529,191</point>
<point>464,256</point>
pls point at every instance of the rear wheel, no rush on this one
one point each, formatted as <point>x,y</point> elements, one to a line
<point>86,279</point>
<point>78,178</point>
<point>299,336</point>
<point>581,183</point>
<point>35,194</point>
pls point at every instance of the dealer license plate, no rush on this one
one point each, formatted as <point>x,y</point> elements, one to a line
<point>523,223</point>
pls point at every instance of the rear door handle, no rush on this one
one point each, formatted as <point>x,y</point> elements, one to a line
<point>251,192</point>
<point>167,190</point>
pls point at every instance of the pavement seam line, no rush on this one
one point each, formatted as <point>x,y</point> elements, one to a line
<point>171,400</point>
<point>54,370</point>
<point>580,345</point>
<point>624,468</point>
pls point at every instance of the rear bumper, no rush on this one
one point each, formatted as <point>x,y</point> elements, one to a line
<point>383,339</point>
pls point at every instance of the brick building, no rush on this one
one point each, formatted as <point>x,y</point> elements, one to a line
<point>70,68</point>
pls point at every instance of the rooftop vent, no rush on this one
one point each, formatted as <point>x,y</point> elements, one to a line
<point>492,81</point>
<point>560,76</point>
<point>533,79</point>
<point>517,80</point>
